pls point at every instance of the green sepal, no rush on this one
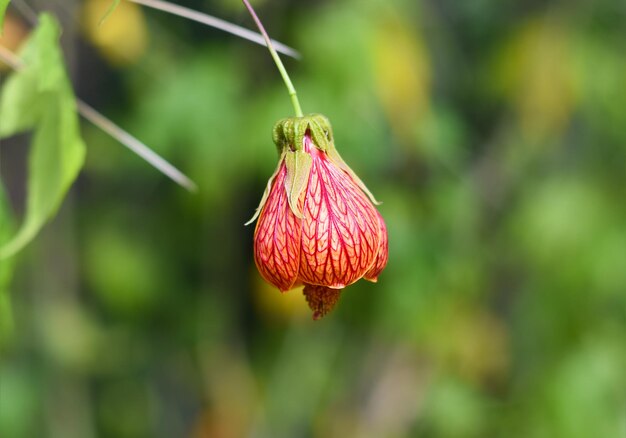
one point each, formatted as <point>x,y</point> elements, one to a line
<point>320,131</point>
<point>290,132</point>
<point>334,156</point>
<point>298,168</point>
<point>283,134</point>
<point>266,193</point>
<point>289,135</point>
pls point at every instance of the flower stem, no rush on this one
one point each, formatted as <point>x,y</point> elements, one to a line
<point>277,61</point>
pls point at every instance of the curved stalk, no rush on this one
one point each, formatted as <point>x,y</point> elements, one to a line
<point>281,68</point>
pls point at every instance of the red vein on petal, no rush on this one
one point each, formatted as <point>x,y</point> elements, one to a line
<point>340,232</point>
<point>277,237</point>
<point>382,254</point>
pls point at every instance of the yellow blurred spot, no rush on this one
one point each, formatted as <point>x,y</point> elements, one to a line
<point>476,345</point>
<point>69,335</point>
<point>535,72</point>
<point>232,395</point>
<point>402,72</point>
<point>276,306</point>
<point>13,34</point>
<point>123,36</point>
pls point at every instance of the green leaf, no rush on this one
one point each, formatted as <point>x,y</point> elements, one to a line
<point>28,93</point>
<point>3,8</point>
<point>109,11</point>
<point>6,269</point>
<point>6,318</point>
<point>40,97</point>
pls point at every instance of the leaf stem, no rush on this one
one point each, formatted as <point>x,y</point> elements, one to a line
<point>281,68</point>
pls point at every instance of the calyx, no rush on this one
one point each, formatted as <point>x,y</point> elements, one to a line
<point>289,133</point>
<point>289,136</point>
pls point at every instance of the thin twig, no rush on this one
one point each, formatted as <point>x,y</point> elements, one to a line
<point>134,145</point>
<point>218,23</point>
<point>116,132</point>
<point>29,13</point>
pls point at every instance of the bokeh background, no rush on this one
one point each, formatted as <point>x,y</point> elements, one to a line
<point>494,132</point>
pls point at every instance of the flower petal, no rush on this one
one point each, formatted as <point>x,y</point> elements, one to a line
<point>277,237</point>
<point>340,229</point>
<point>382,255</point>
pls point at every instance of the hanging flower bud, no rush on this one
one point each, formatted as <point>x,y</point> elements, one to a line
<point>317,222</point>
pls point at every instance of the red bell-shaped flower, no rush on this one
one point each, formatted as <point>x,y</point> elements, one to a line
<point>317,222</point>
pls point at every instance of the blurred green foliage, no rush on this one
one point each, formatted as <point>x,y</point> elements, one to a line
<point>39,97</point>
<point>493,132</point>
